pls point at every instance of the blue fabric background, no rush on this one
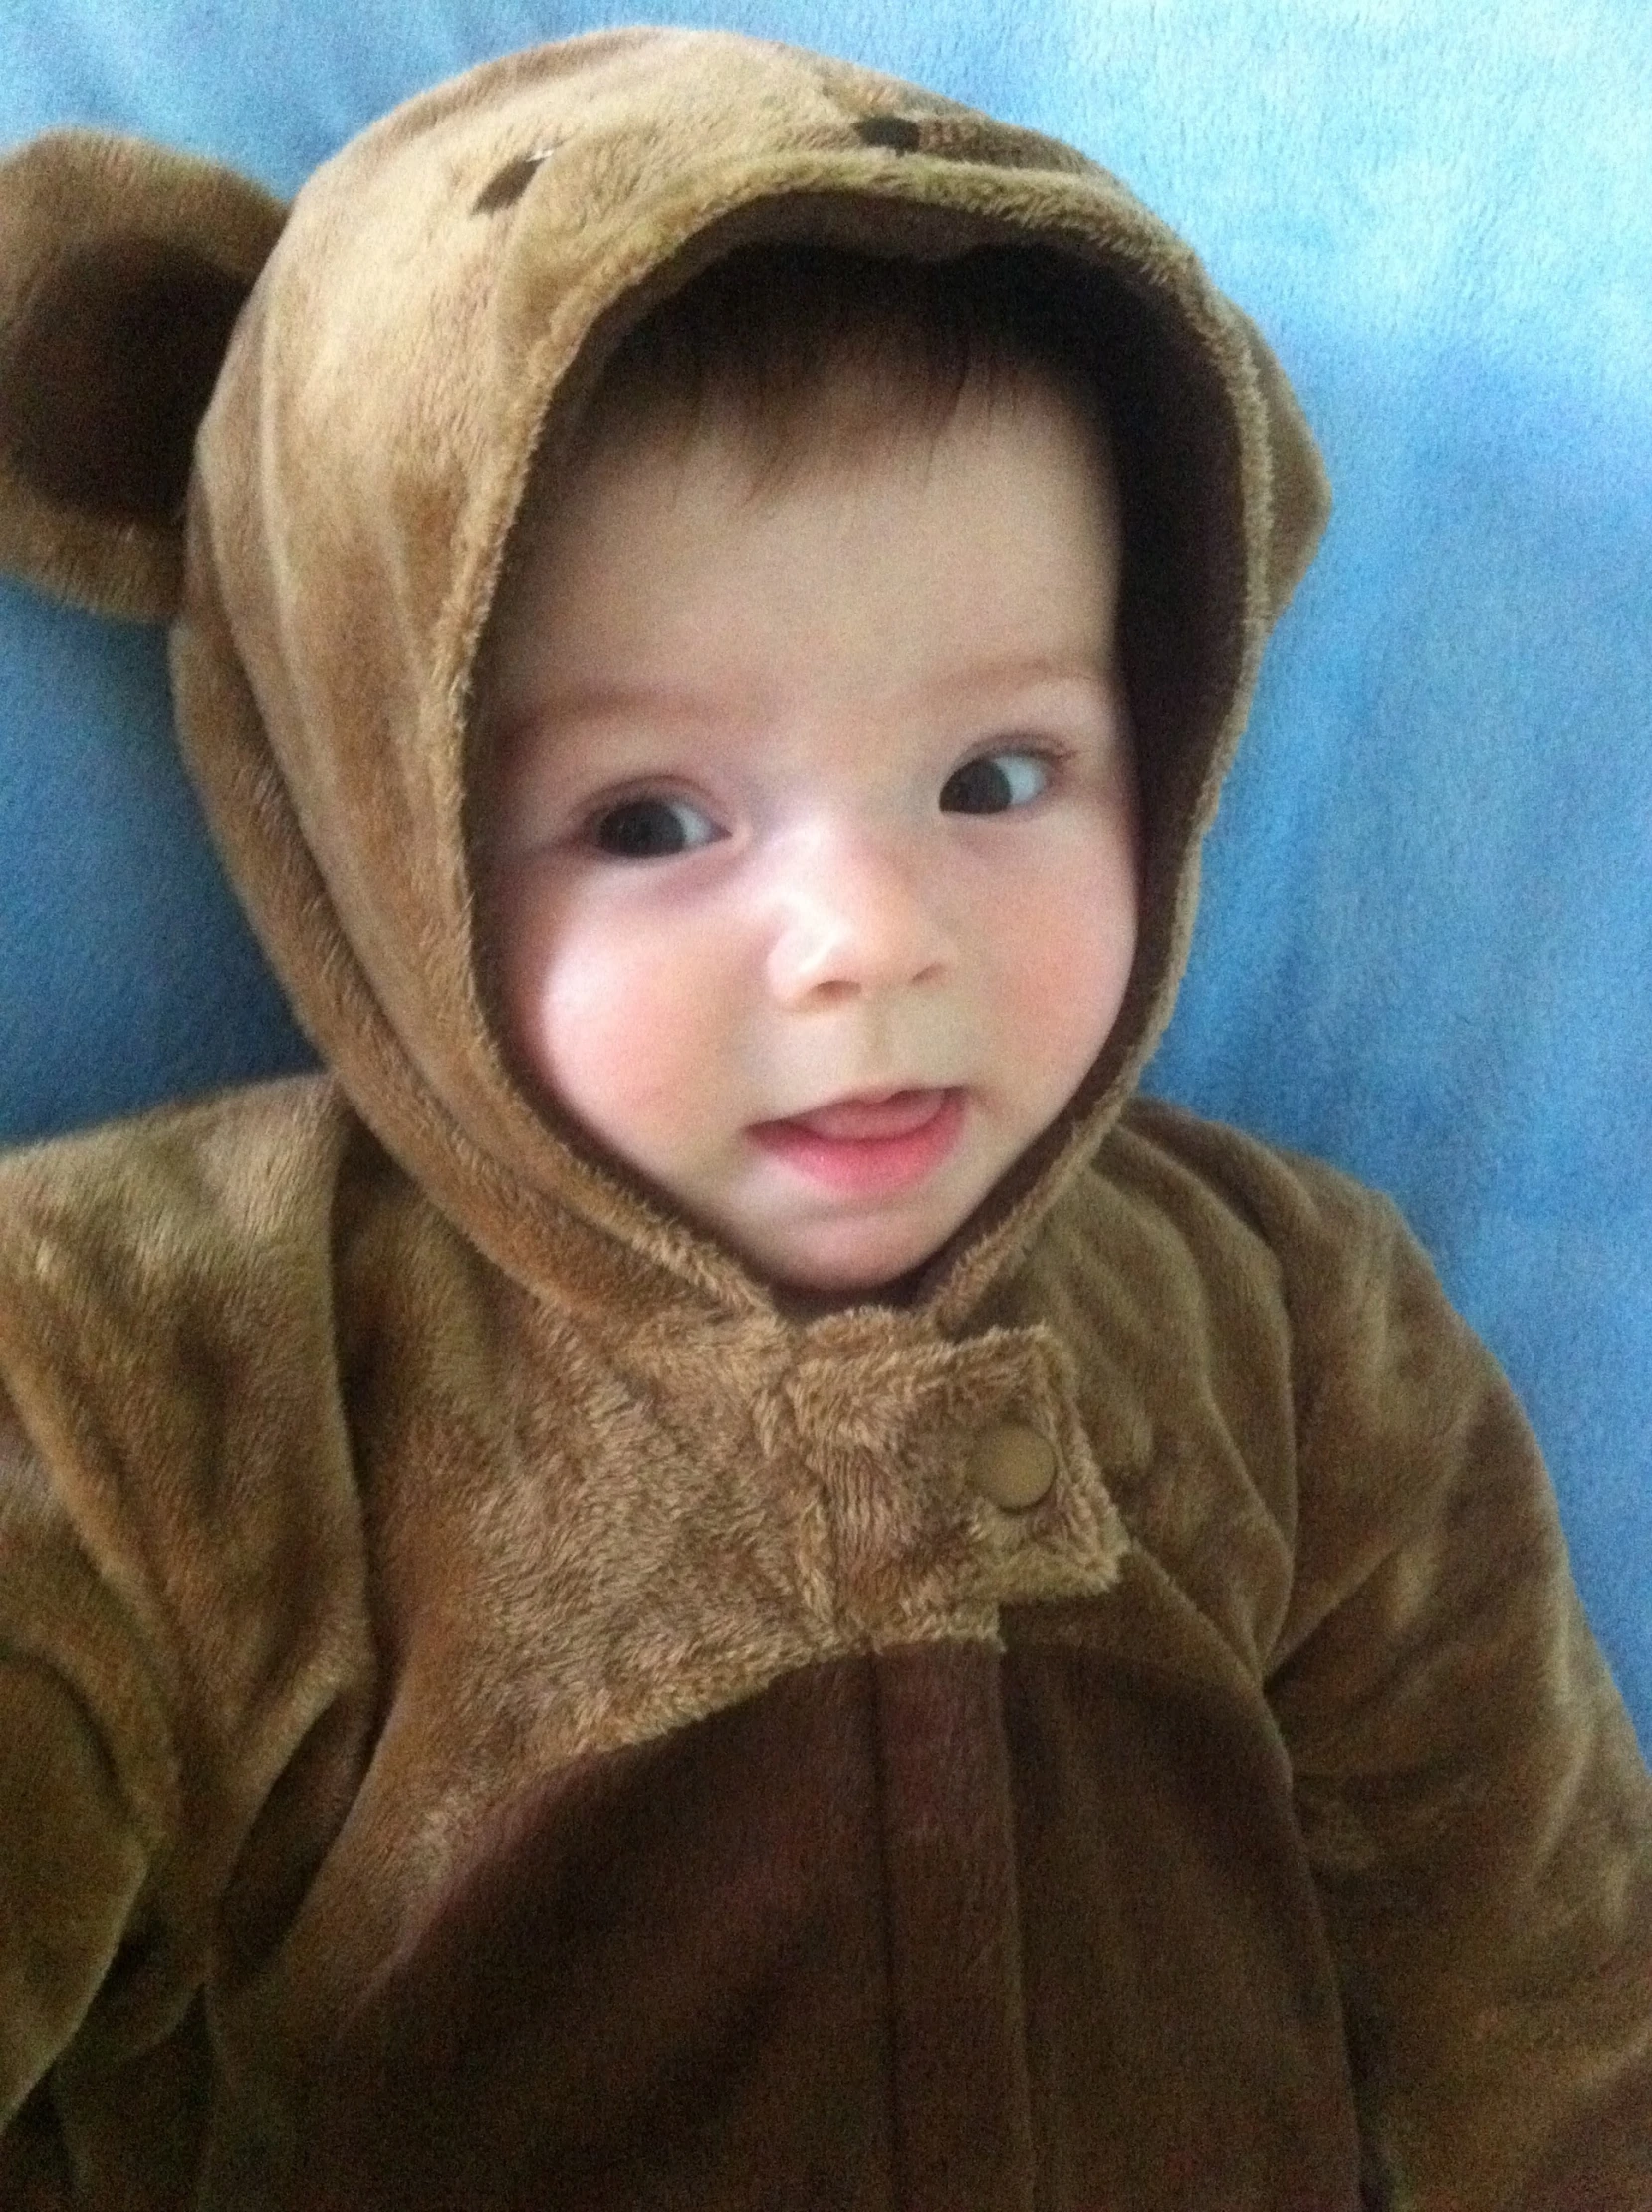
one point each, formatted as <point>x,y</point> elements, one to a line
<point>1427,935</point>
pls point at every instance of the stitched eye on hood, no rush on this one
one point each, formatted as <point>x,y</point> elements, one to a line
<point>899,132</point>
<point>960,135</point>
<point>510,184</point>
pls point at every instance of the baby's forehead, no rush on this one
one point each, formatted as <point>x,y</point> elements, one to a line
<point>675,579</point>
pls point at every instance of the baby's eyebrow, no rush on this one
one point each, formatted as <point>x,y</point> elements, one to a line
<point>685,708</point>
<point>598,708</point>
<point>607,702</point>
<point>1022,671</point>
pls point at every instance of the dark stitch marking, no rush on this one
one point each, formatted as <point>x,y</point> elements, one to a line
<point>510,184</point>
<point>899,132</point>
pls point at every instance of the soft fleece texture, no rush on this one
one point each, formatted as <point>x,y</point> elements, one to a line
<point>1428,918</point>
<point>495,1707</point>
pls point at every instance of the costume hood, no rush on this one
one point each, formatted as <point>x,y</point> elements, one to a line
<point>302,436</point>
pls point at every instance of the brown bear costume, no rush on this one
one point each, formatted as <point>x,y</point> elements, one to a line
<point>494,1711</point>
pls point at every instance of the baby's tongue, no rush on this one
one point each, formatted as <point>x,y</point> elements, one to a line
<point>894,1116</point>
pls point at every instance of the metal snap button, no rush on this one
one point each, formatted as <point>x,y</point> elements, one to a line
<point>1012,1466</point>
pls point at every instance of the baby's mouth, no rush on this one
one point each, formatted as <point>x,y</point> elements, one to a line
<point>867,1149</point>
<point>859,1121</point>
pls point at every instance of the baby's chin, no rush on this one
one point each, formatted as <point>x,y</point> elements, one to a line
<point>800,1296</point>
<point>816,1258</point>
<point>841,1267</point>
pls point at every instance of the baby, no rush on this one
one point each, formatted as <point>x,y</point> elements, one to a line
<point>716,1571</point>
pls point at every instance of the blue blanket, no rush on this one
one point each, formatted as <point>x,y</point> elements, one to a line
<point>1426,948</point>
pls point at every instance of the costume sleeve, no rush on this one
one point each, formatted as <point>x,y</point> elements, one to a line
<point>86,1786</point>
<point>1476,1808</point>
<point>185,1662</point>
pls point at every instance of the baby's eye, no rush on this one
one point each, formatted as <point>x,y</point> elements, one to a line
<point>994,782</point>
<point>650,829</point>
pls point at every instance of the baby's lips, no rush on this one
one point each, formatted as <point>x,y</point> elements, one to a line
<point>864,1119</point>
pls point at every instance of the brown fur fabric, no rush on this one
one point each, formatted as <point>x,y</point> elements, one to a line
<point>494,1709</point>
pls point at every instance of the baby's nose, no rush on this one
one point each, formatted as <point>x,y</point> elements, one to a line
<point>854,916</point>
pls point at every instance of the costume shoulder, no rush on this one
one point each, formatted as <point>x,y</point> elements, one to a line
<point>131,1249</point>
<point>1300,1315</point>
<point>1315,1281</point>
<point>1286,1199</point>
<point>1231,1291</point>
<point>242,1160</point>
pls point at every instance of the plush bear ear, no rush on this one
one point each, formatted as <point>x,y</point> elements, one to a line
<point>123,267</point>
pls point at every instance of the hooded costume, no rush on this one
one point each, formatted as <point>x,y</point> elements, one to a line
<point>494,1709</point>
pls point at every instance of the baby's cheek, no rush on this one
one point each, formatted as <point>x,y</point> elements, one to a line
<point>1066,987</point>
<point>626,1044</point>
<point>1055,1009</point>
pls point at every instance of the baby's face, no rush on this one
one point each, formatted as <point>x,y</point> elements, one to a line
<point>813,829</point>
